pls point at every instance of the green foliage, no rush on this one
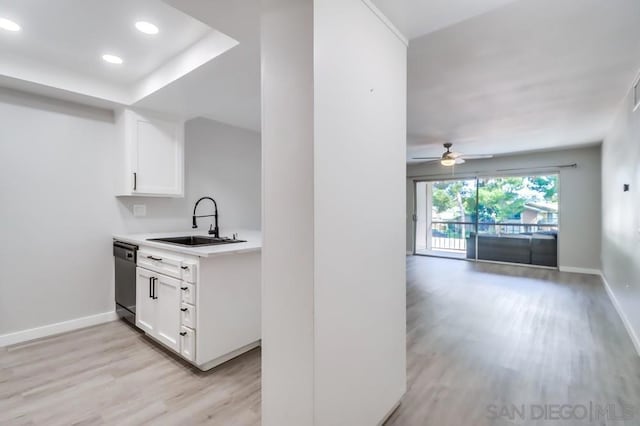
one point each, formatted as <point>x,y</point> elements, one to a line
<point>500,199</point>
<point>448,195</point>
<point>547,185</point>
<point>442,200</point>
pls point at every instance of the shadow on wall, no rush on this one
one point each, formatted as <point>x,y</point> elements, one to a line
<point>24,99</point>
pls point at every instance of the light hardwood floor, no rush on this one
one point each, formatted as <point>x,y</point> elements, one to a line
<point>478,334</point>
<point>482,334</point>
<point>111,374</point>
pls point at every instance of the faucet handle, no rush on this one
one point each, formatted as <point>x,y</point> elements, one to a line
<point>210,229</point>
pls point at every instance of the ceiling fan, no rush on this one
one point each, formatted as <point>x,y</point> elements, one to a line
<point>450,158</point>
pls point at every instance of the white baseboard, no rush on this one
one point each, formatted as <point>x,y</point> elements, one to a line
<point>575,270</point>
<point>621,314</point>
<point>409,253</point>
<point>61,327</point>
<point>390,412</point>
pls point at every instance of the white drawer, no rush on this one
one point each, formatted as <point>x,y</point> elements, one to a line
<point>189,272</point>
<point>188,293</point>
<point>167,265</point>
<point>188,315</point>
<point>188,343</point>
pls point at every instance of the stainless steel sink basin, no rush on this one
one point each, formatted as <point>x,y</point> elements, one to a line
<point>196,240</point>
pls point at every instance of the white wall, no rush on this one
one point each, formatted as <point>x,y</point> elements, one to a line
<point>334,172</point>
<point>58,211</point>
<point>621,213</point>
<point>360,151</point>
<point>580,201</point>
<point>288,212</point>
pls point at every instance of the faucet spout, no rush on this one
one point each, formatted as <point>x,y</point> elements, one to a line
<point>215,231</point>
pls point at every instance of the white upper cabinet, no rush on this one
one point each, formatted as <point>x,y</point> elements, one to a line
<point>152,150</point>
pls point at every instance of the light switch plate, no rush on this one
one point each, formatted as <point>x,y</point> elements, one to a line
<point>139,210</point>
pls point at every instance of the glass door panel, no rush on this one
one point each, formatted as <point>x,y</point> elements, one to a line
<point>518,219</point>
<point>445,218</point>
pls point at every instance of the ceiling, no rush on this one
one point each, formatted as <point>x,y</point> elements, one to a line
<point>62,42</point>
<point>493,76</point>
<point>105,27</point>
<point>532,75</point>
<point>228,88</point>
<point>418,17</point>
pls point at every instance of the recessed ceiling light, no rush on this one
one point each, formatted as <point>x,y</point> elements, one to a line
<point>147,27</point>
<point>112,59</point>
<point>9,25</point>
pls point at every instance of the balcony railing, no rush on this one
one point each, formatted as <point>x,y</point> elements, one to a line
<point>452,236</point>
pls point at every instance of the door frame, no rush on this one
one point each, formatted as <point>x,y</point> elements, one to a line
<point>477,176</point>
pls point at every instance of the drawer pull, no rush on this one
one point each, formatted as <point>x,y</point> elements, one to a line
<point>185,267</point>
<point>184,309</point>
<point>184,288</point>
<point>158,259</point>
<point>183,333</point>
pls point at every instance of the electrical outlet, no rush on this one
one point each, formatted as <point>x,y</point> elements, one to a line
<point>139,210</point>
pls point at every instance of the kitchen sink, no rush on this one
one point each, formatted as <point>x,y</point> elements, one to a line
<point>196,240</point>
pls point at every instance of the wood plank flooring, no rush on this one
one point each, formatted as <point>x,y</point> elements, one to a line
<point>478,334</point>
<point>111,374</point>
<point>482,334</point>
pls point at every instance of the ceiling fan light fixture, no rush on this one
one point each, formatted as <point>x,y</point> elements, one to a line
<point>448,162</point>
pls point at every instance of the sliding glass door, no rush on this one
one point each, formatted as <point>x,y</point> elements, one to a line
<point>502,219</point>
<point>518,219</point>
<point>445,219</point>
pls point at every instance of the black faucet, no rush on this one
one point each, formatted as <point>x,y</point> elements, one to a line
<point>215,231</point>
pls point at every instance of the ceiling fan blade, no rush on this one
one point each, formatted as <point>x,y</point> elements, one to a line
<point>425,158</point>
<point>460,160</point>
<point>454,155</point>
<point>477,157</point>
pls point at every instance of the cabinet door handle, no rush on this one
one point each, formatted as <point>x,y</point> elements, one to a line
<point>185,267</point>
<point>157,259</point>
<point>183,333</point>
<point>155,280</point>
<point>150,287</point>
<point>184,309</point>
<point>184,288</point>
<point>135,181</point>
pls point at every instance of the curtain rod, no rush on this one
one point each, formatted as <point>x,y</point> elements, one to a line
<point>532,169</point>
<point>561,166</point>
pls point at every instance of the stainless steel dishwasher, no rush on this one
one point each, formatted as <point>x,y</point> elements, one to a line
<point>125,255</point>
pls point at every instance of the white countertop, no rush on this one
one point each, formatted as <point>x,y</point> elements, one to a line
<point>253,238</point>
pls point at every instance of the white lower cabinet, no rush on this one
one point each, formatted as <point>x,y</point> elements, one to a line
<point>145,304</point>
<point>188,315</point>
<point>168,311</point>
<point>158,299</point>
<point>188,293</point>
<point>188,343</point>
<point>206,310</point>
